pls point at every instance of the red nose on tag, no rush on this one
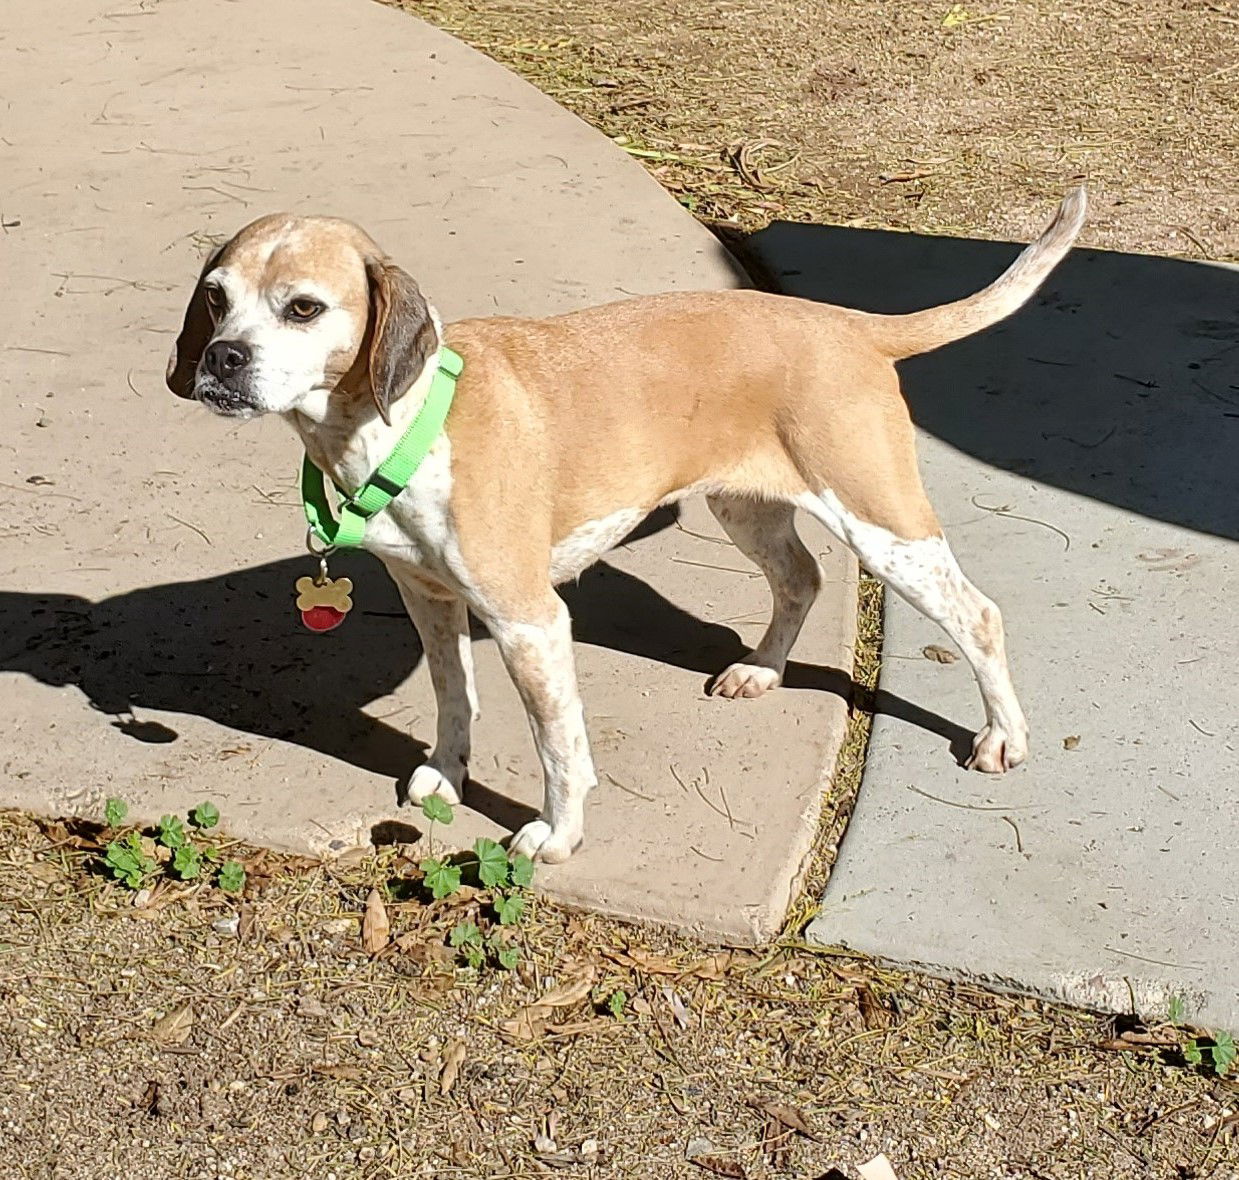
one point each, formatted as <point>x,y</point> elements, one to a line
<point>322,618</point>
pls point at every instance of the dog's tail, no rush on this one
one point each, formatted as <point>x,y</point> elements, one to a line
<point>900,336</point>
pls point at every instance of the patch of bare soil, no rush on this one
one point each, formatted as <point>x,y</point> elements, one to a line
<point>967,119</point>
<point>292,1032</point>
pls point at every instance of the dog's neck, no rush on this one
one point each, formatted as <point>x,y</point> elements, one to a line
<point>344,435</point>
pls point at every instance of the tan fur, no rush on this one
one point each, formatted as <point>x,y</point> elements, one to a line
<point>556,422</point>
<point>562,427</point>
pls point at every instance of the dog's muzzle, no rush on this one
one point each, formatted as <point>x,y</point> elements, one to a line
<point>223,379</point>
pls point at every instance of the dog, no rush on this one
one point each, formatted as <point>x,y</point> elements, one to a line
<point>565,432</point>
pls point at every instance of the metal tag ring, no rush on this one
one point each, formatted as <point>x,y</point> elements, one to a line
<point>310,538</point>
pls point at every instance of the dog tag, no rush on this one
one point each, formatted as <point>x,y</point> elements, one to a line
<point>323,601</point>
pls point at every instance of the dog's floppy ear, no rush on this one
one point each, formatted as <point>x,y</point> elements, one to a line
<point>402,333</point>
<point>196,331</point>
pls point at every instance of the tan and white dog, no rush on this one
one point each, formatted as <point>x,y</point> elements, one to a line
<point>565,432</point>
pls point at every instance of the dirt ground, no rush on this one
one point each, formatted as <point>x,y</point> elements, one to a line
<point>965,119</point>
<point>198,1036</point>
<point>201,1036</point>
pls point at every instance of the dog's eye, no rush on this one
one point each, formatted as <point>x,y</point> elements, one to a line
<point>217,301</point>
<point>303,310</point>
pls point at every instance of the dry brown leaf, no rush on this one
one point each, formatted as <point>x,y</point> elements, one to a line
<point>571,992</point>
<point>149,1102</point>
<point>44,872</point>
<point>453,1058</point>
<point>1072,742</point>
<point>720,1166</point>
<point>903,177</point>
<point>76,833</point>
<point>873,1012</point>
<point>776,1143</point>
<point>1143,1039</point>
<point>712,967</point>
<point>575,1027</point>
<point>939,654</point>
<point>375,925</point>
<point>527,1025</point>
<point>678,1008</point>
<point>245,923</point>
<point>344,1073</point>
<point>175,1027</point>
<point>790,1117</point>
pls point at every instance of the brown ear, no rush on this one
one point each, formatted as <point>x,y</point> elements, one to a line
<point>402,333</point>
<point>196,331</point>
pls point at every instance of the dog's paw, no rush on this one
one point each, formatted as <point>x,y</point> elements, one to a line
<point>744,680</point>
<point>539,841</point>
<point>428,780</point>
<point>994,750</point>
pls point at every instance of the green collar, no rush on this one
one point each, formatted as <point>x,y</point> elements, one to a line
<point>392,475</point>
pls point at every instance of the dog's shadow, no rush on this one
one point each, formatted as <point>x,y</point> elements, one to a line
<point>230,649</point>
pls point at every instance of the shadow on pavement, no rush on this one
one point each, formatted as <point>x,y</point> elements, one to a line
<point>1110,383</point>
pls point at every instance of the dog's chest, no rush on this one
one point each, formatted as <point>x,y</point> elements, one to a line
<point>416,529</point>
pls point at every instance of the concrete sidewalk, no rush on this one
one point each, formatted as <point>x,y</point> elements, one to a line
<point>148,551</point>
<point>1082,458</point>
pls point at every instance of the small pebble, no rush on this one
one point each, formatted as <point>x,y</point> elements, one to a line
<point>227,925</point>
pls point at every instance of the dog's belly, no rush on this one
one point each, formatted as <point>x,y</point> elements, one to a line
<point>588,542</point>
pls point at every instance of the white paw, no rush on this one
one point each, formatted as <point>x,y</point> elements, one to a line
<point>427,780</point>
<point>994,750</point>
<point>745,680</point>
<point>539,841</point>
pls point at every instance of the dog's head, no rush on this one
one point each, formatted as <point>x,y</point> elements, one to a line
<point>295,311</point>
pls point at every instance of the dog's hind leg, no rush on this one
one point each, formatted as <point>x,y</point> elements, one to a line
<point>765,532</point>
<point>923,571</point>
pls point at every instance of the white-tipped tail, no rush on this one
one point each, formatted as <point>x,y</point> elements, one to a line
<point>900,336</point>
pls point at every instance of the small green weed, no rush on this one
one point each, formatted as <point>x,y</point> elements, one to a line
<point>187,861</point>
<point>136,860</point>
<point>617,1002</point>
<point>1217,1052</point>
<point>130,862</point>
<point>114,812</point>
<point>506,879</point>
<point>171,832</point>
<point>442,879</point>
<point>467,938</point>
<point>205,815</point>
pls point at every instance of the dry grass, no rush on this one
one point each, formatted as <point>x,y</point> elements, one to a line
<point>889,114</point>
<point>293,1053</point>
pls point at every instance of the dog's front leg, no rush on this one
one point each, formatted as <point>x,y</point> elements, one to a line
<point>442,625</point>
<point>537,651</point>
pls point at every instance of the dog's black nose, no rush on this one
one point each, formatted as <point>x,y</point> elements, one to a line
<point>226,358</point>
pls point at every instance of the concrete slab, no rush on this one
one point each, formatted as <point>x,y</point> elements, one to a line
<point>148,552</point>
<point>1082,459</point>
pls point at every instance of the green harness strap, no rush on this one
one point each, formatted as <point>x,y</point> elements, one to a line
<point>347,529</point>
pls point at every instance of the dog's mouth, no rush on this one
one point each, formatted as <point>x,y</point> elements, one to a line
<point>222,400</point>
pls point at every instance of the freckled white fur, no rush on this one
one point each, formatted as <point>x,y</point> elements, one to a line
<point>584,545</point>
<point>765,532</point>
<point>925,573</point>
<point>539,659</point>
